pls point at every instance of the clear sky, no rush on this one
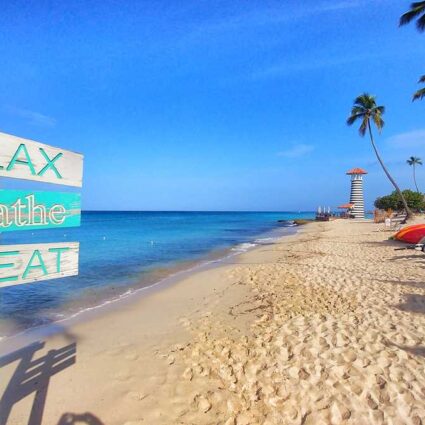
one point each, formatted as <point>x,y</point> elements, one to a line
<point>213,105</point>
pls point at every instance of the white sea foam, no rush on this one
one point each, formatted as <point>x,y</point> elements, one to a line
<point>243,247</point>
<point>266,240</point>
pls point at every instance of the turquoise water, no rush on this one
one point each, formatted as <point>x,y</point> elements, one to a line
<point>123,251</point>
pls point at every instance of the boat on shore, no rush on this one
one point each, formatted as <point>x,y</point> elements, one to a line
<point>411,234</point>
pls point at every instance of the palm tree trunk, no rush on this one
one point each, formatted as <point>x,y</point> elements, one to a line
<point>409,212</point>
<point>414,178</point>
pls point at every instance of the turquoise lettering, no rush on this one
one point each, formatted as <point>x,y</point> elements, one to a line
<point>15,159</point>
<point>8,265</point>
<point>58,256</point>
<point>30,267</point>
<point>50,163</point>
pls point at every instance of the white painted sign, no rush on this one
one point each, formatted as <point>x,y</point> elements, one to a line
<point>29,160</point>
<point>30,263</point>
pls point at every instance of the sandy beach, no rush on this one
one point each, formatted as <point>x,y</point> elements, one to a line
<point>324,327</point>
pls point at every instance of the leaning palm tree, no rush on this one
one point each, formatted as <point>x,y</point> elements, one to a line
<point>417,10</point>
<point>414,161</point>
<point>365,110</point>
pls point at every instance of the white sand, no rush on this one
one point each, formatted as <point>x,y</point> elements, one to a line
<point>327,327</point>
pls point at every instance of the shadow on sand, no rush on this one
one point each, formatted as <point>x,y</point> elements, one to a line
<point>414,303</point>
<point>32,376</point>
<point>81,418</point>
<point>416,351</point>
<point>418,257</point>
<point>383,244</point>
<point>419,284</point>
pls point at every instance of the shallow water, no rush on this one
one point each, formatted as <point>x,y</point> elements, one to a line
<point>123,251</point>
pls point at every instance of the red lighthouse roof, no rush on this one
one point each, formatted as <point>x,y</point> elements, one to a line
<point>346,206</point>
<point>356,171</point>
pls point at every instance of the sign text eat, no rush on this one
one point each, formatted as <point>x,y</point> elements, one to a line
<point>29,263</point>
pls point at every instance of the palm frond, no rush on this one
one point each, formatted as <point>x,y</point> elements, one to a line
<point>420,23</point>
<point>422,79</point>
<point>364,125</point>
<point>379,122</point>
<point>365,100</point>
<point>407,17</point>
<point>414,160</point>
<point>419,95</point>
<point>357,110</point>
<point>416,9</point>
<point>353,118</point>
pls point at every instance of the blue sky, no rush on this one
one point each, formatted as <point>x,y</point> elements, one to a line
<point>213,105</point>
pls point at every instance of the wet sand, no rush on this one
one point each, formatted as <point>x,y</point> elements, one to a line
<point>325,327</point>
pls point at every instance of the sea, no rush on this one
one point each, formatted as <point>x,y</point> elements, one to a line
<point>122,253</point>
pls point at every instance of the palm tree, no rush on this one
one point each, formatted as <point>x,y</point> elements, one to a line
<point>414,161</point>
<point>365,110</point>
<point>417,10</point>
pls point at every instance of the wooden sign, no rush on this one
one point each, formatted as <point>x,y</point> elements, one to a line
<point>29,160</point>
<point>29,263</point>
<point>32,210</point>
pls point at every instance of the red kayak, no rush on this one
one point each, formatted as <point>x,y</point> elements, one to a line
<point>411,234</point>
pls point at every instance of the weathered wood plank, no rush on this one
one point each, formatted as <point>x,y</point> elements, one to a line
<point>26,159</point>
<point>35,262</point>
<point>33,210</point>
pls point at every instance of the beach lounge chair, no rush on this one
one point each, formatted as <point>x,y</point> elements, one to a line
<point>394,223</point>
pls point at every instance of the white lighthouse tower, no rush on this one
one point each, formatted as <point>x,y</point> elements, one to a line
<point>356,195</point>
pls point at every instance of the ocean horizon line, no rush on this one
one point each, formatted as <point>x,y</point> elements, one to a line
<point>205,211</point>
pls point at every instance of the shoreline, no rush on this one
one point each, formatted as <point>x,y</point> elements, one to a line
<point>174,275</point>
<point>95,351</point>
<point>323,327</point>
<point>121,252</point>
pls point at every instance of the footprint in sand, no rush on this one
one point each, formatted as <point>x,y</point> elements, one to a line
<point>137,395</point>
<point>131,356</point>
<point>185,322</point>
<point>121,375</point>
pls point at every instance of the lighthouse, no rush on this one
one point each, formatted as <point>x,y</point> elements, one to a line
<point>356,195</point>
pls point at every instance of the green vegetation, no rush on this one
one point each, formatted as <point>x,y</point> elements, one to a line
<point>414,161</point>
<point>364,110</point>
<point>415,201</point>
